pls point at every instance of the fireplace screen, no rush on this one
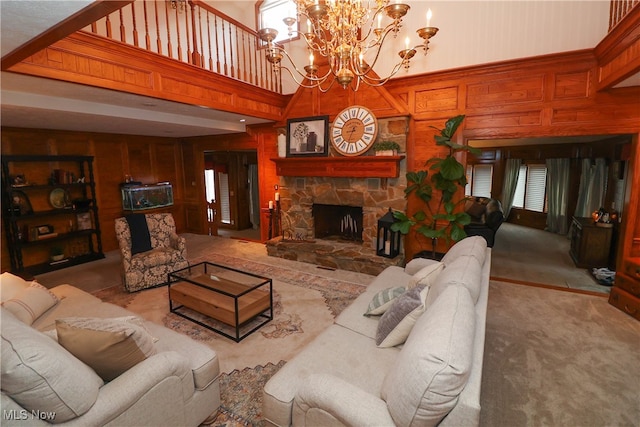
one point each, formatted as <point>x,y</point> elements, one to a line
<point>338,221</point>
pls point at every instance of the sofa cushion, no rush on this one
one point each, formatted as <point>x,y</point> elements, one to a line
<point>10,285</point>
<point>472,245</point>
<point>465,271</point>
<point>109,346</point>
<point>31,302</point>
<point>426,276</point>
<point>382,300</point>
<point>154,257</point>
<point>41,375</point>
<point>396,324</point>
<point>434,363</point>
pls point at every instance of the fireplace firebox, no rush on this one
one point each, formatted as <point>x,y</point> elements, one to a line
<point>339,221</point>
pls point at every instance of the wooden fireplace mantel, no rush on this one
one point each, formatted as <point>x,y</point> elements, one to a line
<point>340,167</point>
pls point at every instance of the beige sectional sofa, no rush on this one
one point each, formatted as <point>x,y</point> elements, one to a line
<point>344,378</point>
<point>176,383</point>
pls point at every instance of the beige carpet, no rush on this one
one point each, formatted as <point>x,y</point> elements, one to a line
<point>527,254</point>
<point>555,358</point>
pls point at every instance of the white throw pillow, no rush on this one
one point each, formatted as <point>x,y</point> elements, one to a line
<point>31,302</point>
<point>426,276</point>
<point>41,375</point>
<point>10,285</point>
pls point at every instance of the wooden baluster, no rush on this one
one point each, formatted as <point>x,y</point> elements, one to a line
<point>187,31</point>
<point>215,18</point>
<point>158,41</point>
<point>255,60</point>
<point>244,57</point>
<point>201,55</point>
<point>224,50</point>
<point>107,24</point>
<point>233,74</point>
<point>135,25</point>
<point>209,43</point>
<point>178,31</point>
<point>123,36</point>
<point>94,27</point>
<point>166,15</point>
<point>262,71</point>
<point>147,39</point>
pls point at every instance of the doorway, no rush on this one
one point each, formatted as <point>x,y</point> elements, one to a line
<point>232,195</point>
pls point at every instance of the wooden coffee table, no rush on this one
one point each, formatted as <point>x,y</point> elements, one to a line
<point>236,298</point>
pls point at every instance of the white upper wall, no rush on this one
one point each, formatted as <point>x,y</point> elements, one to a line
<point>475,31</point>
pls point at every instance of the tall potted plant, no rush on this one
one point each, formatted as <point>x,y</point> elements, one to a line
<point>437,215</point>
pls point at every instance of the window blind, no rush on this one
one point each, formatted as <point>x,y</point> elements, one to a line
<point>518,198</point>
<point>225,208</point>
<point>536,188</point>
<point>481,186</point>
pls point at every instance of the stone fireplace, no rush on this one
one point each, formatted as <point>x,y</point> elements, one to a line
<point>353,207</point>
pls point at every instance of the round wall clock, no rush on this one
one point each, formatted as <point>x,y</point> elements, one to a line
<point>354,131</point>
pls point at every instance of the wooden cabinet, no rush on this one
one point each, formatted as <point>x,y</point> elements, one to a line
<point>590,243</point>
<point>50,212</point>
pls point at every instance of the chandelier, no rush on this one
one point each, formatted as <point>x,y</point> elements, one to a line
<point>348,33</point>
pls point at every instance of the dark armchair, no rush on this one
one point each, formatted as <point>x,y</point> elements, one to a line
<point>486,217</point>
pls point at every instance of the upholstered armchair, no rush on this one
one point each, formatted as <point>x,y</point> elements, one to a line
<point>486,217</point>
<point>148,266</point>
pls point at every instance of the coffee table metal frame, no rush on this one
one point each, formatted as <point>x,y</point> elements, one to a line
<point>175,277</point>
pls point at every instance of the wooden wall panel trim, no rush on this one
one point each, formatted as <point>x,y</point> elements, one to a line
<point>443,99</point>
<point>617,54</point>
<point>515,90</point>
<point>81,19</point>
<point>92,60</point>
<point>571,85</point>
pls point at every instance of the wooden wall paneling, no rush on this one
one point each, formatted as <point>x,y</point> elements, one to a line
<point>140,165</point>
<point>267,176</point>
<point>513,90</point>
<point>618,54</point>
<point>89,59</point>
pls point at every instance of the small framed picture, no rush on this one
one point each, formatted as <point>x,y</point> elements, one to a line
<point>43,230</point>
<point>84,221</point>
<point>308,136</point>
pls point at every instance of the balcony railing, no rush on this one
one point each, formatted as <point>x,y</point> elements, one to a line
<point>618,9</point>
<point>195,33</point>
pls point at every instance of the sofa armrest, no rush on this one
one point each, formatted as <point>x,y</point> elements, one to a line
<point>178,242</point>
<point>324,398</point>
<point>162,379</point>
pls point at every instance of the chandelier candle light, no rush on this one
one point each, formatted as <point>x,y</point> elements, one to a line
<point>345,32</point>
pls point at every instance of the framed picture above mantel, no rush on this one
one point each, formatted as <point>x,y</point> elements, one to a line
<point>308,136</point>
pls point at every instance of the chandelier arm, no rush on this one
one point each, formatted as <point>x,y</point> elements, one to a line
<point>316,83</point>
<point>375,59</point>
<point>373,29</point>
<point>304,75</point>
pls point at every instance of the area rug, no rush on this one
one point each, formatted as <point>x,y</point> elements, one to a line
<point>304,305</point>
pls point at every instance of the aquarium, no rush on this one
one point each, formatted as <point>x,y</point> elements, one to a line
<point>137,197</point>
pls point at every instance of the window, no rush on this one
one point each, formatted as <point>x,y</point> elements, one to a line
<point>479,179</point>
<point>271,14</point>
<point>531,189</point>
